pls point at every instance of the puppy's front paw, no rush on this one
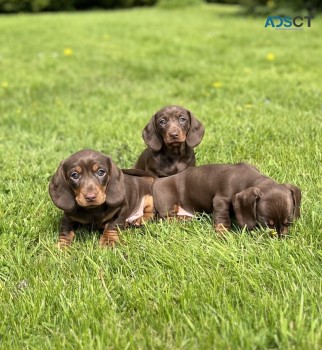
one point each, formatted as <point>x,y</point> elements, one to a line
<point>221,229</point>
<point>65,239</point>
<point>109,238</point>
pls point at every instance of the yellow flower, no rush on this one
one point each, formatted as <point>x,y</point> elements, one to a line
<point>217,84</point>
<point>270,57</point>
<point>272,232</point>
<point>68,52</point>
<point>4,84</point>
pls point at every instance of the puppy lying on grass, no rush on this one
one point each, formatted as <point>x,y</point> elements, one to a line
<point>221,189</point>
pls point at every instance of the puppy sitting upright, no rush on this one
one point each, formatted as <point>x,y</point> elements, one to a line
<point>90,189</point>
<point>171,135</point>
<point>220,189</point>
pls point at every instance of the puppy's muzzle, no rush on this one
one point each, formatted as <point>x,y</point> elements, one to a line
<point>175,135</point>
<point>90,198</point>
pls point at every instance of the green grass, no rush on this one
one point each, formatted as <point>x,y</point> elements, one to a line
<point>168,286</point>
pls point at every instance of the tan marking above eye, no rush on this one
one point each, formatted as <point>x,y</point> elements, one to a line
<point>78,169</point>
<point>271,222</point>
<point>95,167</point>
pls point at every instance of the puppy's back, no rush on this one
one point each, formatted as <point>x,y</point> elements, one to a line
<point>195,188</point>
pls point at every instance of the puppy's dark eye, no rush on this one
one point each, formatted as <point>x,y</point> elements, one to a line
<point>162,122</point>
<point>74,175</point>
<point>182,120</point>
<point>101,172</point>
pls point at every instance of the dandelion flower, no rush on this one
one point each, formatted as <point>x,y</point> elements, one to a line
<point>272,233</point>
<point>4,84</point>
<point>68,52</point>
<point>217,84</point>
<point>270,57</point>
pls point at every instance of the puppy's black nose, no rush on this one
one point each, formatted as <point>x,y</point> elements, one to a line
<point>90,197</point>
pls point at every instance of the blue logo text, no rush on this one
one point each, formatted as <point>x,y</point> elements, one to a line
<point>287,22</point>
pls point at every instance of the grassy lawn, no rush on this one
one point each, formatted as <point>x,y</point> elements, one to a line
<point>168,286</point>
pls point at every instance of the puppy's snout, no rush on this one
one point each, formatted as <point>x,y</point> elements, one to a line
<point>90,197</point>
<point>174,134</point>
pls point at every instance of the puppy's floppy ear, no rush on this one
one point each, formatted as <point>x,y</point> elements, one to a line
<point>297,196</point>
<point>60,192</point>
<point>151,136</point>
<point>115,190</point>
<point>244,204</point>
<point>196,131</point>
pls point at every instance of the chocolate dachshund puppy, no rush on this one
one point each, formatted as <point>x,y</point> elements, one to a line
<point>171,135</point>
<point>90,189</point>
<point>221,189</point>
